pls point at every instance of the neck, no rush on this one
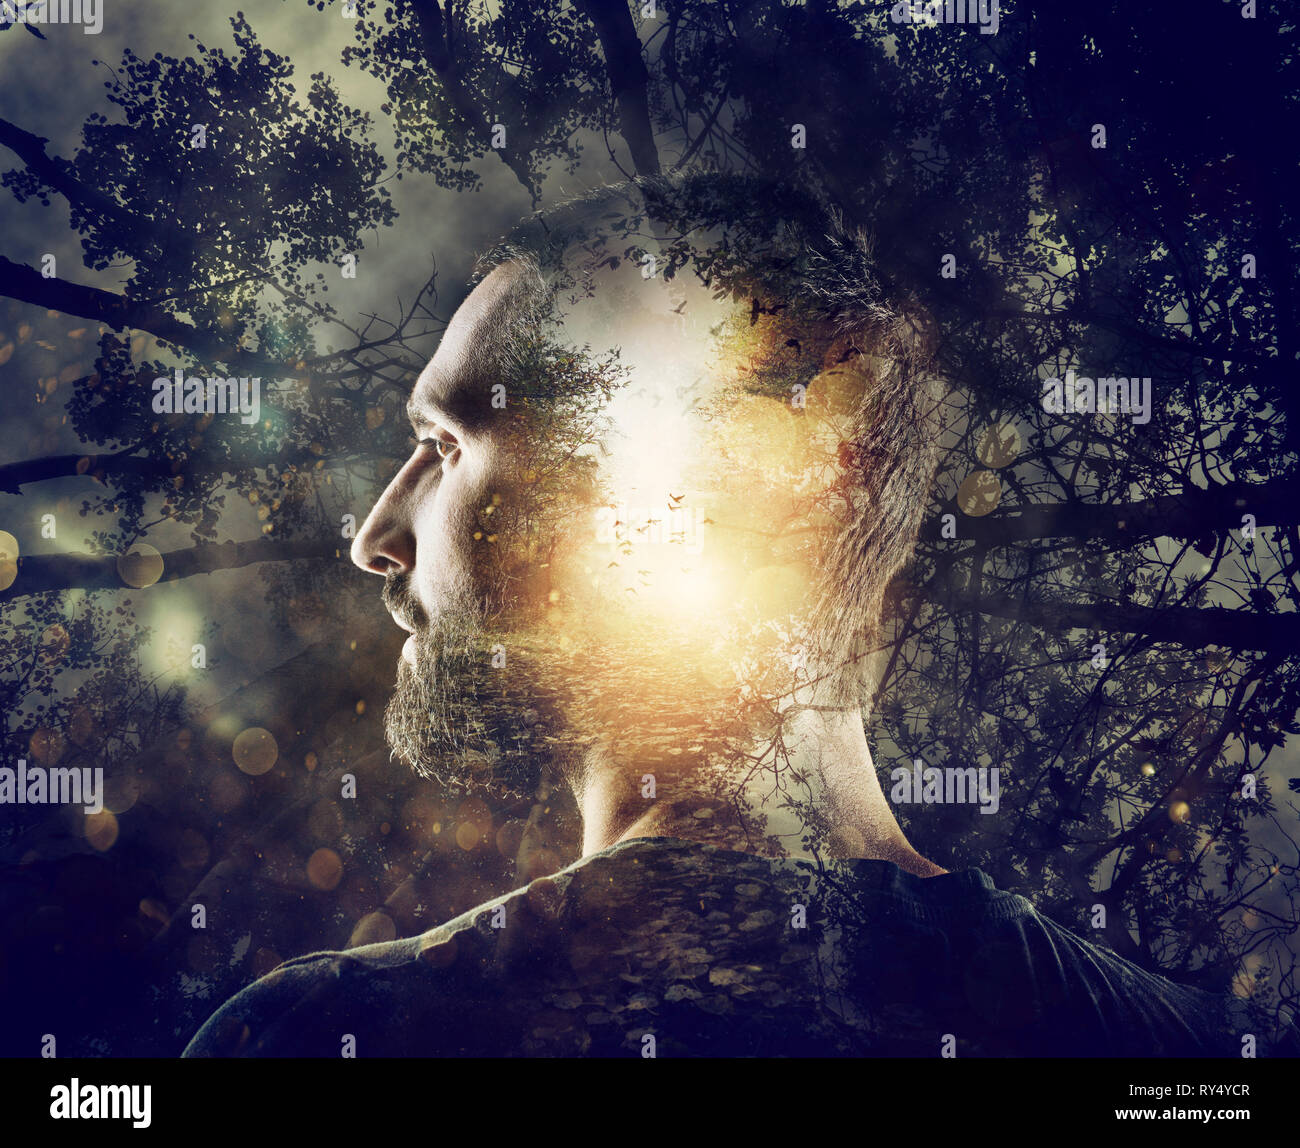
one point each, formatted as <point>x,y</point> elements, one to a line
<point>811,792</point>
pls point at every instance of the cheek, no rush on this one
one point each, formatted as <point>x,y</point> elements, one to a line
<point>446,549</point>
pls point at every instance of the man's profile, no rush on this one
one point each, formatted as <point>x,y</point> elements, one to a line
<point>665,465</point>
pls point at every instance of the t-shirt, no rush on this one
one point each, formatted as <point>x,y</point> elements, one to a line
<point>665,947</point>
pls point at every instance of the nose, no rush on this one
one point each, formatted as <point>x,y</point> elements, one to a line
<point>385,544</point>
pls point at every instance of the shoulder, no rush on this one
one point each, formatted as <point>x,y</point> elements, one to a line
<point>446,985</point>
<point>264,1018</point>
<point>1126,1009</point>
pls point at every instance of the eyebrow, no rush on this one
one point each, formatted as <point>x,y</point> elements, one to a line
<point>424,412</point>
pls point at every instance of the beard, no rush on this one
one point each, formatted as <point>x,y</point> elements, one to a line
<point>467,714</point>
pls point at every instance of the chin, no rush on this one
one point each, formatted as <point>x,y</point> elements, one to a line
<point>461,728</point>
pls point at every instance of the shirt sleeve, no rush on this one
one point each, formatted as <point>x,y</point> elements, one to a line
<point>264,1018</point>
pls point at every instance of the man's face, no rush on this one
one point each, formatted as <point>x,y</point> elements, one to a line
<point>420,533</point>
<point>431,536</point>
<point>608,526</point>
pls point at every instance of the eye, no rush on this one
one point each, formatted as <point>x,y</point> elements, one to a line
<point>444,444</point>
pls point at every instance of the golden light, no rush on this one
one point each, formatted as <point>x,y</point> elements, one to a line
<point>141,566</point>
<point>654,443</point>
<point>8,559</point>
<point>325,869</point>
<point>55,641</point>
<point>774,589</point>
<point>715,487</point>
<point>100,830</point>
<point>46,745</point>
<point>255,751</point>
<point>122,791</point>
<point>371,929</point>
<point>177,628</point>
<point>979,494</point>
<point>650,542</point>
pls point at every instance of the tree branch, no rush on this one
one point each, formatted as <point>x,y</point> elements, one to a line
<point>57,173</point>
<point>628,78</point>
<point>43,572</point>
<point>1190,514</point>
<point>107,468</point>
<point>1187,625</point>
<point>437,54</point>
<point>27,285</point>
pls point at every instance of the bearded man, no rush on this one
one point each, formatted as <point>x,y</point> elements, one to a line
<point>667,458</point>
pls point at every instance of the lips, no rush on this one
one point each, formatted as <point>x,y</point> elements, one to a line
<point>401,603</point>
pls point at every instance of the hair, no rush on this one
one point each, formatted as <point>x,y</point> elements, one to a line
<point>756,239</point>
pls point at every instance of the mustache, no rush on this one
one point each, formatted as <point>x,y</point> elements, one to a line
<point>400,600</point>
<point>458,611</point>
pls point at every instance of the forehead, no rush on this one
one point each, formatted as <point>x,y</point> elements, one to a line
<point>662,332</point>
<point>455,386</point>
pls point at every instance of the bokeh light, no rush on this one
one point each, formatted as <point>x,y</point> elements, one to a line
<point>140,566</point>
<point>255,751</point>
<point>325,869</point>
<point>979,494</point>
<point>999,446</point>
<point>8,559</point>
<point>100,830</point>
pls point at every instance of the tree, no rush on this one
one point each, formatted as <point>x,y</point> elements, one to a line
<point>1102,601</point>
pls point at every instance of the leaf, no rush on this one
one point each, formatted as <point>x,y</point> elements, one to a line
<point>35,31</point>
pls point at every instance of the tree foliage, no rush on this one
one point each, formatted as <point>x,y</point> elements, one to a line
<point>1110,615</point>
